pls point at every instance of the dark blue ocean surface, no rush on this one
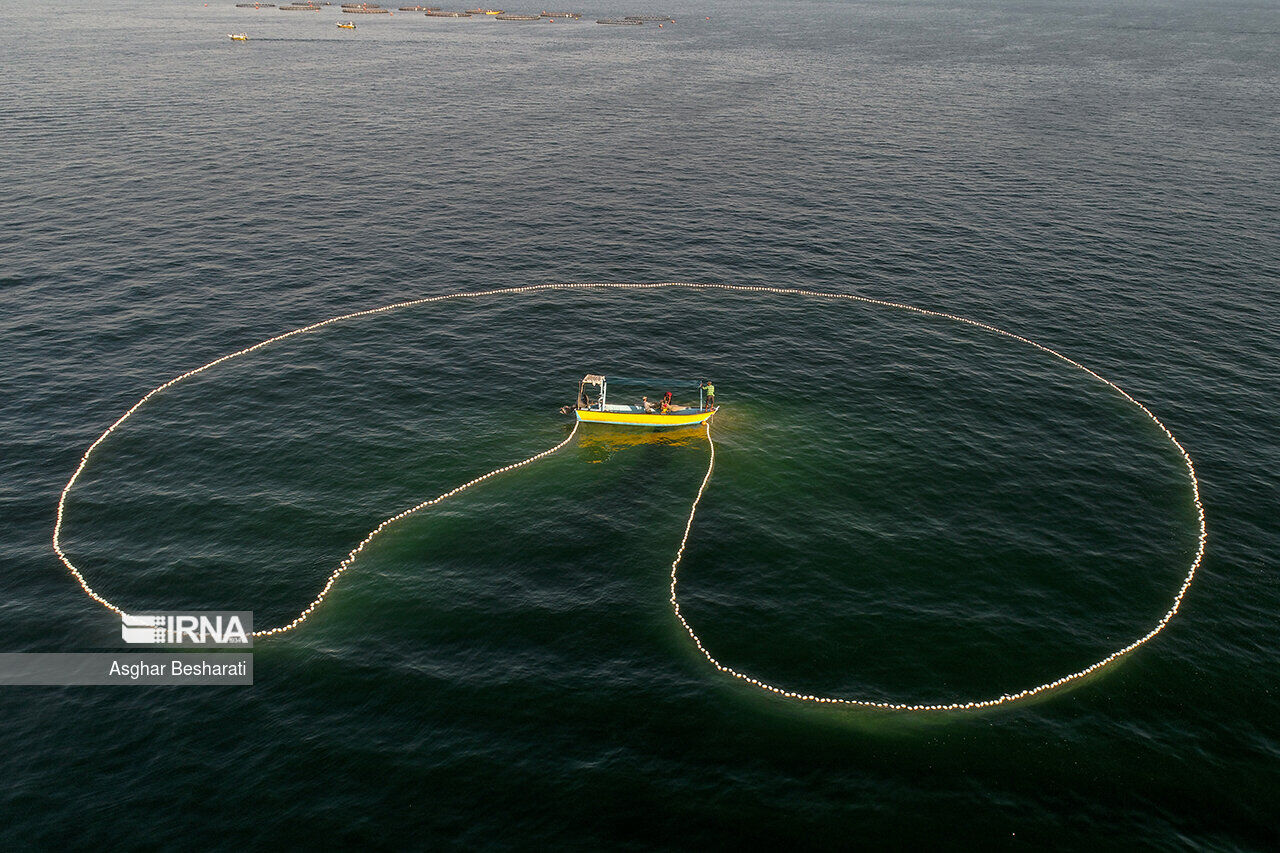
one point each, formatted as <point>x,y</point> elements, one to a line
<point>904,508</point>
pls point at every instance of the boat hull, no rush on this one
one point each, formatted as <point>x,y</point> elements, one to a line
<point>643,418</point>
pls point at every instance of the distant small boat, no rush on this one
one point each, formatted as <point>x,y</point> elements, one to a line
<point>238,36</point>
<point>346,25</point>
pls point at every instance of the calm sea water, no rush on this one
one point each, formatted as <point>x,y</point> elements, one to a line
<point>903,508</point>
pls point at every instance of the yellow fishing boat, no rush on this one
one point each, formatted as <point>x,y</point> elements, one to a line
<point>238,36</point>
<point>662,412</point>
<point>346,25</point>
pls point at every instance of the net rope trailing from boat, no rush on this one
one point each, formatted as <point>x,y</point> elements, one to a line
<point>351,557</point>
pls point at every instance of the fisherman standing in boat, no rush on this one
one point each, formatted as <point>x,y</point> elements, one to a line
<point>711,394</point>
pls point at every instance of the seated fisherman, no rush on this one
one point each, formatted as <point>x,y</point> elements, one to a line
<point>648,407</point>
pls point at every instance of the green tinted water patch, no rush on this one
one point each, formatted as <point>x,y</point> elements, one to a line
<point>549,573</point>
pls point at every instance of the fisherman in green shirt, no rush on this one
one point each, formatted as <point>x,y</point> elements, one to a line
<point>711,394</point>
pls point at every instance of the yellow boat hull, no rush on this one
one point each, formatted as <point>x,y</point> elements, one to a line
<point>643,419</point>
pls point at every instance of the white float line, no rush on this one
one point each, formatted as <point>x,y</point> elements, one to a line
<point>785,291</point>
<point>355,552</point>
